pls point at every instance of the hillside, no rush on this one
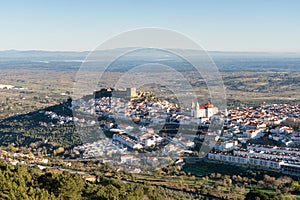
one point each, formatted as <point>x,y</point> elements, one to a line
<point>36,131</point>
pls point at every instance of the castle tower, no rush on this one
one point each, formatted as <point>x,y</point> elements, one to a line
<point>193,110</point>
<point>131,92</point>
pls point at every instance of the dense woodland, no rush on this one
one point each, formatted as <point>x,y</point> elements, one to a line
<point>19,183</point>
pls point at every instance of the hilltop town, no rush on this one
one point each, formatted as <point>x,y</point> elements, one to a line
<point>242,127</point>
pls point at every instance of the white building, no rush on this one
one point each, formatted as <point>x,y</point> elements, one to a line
<point>246,160</point>
<point>124,139</point>
<point>126,159</point>
<point>267,148</point>
<point>206,111</point>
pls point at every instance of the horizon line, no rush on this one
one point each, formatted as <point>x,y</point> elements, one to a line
<point>87,51</point>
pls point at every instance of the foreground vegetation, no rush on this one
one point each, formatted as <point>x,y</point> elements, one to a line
<point>19,183</point>
<point>235,182</point>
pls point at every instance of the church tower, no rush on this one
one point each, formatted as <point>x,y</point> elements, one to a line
<point>198,111</point>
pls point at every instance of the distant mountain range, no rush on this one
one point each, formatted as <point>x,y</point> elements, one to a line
<point>67,60</point>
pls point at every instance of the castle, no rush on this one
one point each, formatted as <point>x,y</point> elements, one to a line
<point>128,92</point>
<point>205,111</point>
<point>110,92</point>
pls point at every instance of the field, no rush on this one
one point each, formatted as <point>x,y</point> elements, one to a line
<point>42,88</point>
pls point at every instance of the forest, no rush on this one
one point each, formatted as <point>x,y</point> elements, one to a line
<point>17,182</point>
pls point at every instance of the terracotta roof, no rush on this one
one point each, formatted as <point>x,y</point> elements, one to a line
<point>209,105</point>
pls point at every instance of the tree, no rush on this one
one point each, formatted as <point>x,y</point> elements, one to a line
<point>70,186</point>
<point>255,194</point>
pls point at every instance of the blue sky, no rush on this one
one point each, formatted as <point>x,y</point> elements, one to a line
<point>228,25</point>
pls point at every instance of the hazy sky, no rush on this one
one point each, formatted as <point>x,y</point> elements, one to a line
<point>227,25</point>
